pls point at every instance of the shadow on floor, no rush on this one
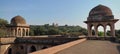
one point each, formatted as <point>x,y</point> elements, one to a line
<point>118,47</point>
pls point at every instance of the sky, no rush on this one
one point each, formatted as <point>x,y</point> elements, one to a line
<point>40,12</point>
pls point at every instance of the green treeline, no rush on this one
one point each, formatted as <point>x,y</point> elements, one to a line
<point>3,24</point>
<point>59,30</point>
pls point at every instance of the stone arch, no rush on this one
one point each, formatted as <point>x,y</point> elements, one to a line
<point>110,27</point>
<point>100,25</point>
<point>99,32</point>
<point>9,51</point>
<point>32,48</point>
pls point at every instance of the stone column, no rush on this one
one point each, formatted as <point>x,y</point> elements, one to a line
<point>13,32</point>
<point>25,31</point>
<point>28,32</point>
<point>113,30</point>
<point>89,30</point>
<point>104,31</point>
<point>96,31</point>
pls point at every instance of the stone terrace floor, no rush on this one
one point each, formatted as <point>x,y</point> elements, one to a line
<point>93,47</point>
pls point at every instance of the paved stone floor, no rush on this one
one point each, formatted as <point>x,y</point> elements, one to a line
<point>93,47</point>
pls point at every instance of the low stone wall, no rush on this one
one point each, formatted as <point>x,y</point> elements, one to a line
<point>4,40</point>
<point>102,38</point>
<point>55,49</point>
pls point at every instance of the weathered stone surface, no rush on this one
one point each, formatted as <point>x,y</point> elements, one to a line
<point>93,47</point>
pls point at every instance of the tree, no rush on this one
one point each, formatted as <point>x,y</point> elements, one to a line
<point>62,30</point>
<point>3,24</point>
<point>117,33</point>
<point>53,31</point>
<point>100,33</point>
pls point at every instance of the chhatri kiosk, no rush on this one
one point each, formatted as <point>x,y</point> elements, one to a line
<point>100,16</point>
<point>18,27</point>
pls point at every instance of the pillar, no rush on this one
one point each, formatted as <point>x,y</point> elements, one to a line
<point>25,32</point>
<point>28,32</point>
<point>88,27</point>
<point>89,30</point>
<point>96,31</point>
<point>13,32</point>
<point>104,31</point>
<point>113,30</point>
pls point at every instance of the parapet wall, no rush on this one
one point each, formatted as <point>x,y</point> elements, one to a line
<point>4,40</point>
<point>55,49</point>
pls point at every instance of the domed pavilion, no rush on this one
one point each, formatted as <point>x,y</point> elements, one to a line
<point>100,16</point>
<point>18,27</point>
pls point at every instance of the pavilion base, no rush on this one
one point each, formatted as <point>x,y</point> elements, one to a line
<point>113,39</point>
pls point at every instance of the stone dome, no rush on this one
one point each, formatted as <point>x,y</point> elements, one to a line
<point>100,12</point>
<point>18,20</point>
<point>100,9</point>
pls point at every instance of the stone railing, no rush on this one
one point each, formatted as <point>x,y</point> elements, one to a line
<point>55,49</point>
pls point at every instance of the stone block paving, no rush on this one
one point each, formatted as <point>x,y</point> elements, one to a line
<point>93,47</point>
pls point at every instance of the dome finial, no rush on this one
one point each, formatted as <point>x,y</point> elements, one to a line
<point>99,4</point>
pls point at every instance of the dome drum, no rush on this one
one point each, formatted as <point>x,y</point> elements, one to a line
<point>100,18</point>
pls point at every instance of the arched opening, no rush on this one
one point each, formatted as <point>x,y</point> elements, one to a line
<point>21,47</point>
<point>100,29</point>
<point>108,30</point>
<point>32,49</point>
<point>27,32</point>
<point>15,32</point>
<point>10,51</point>
<point>23,32</point>
<point>19,32</point>
<point>93,30</point>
